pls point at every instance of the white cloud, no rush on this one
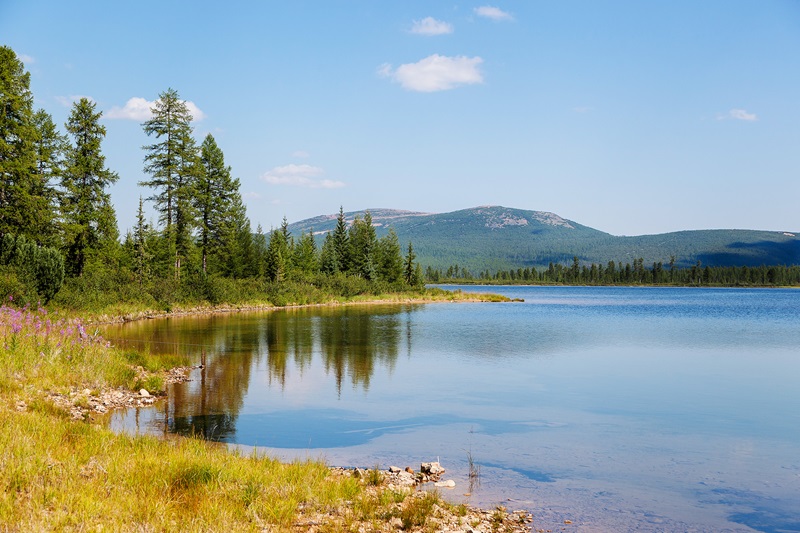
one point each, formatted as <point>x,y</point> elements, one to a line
<point>494,13</point>
<point>435,73</point>
<point>739,114</point>
<point>431,26</point>
<point>252,195</point>
<point>25,58</point>
<point>300,176</point>
<point>302,154</point>
<point>67,101</point>
<point>139,109</point>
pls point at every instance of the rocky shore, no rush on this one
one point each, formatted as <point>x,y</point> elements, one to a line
<point>414,485</point>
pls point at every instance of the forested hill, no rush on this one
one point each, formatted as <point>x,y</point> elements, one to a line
<point>500,238</point>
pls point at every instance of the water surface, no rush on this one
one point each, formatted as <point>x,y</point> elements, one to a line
<point>648,409</point>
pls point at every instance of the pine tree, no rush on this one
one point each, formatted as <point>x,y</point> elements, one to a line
<point>51,147</point>
<point>89,218</point>
<point>409,270</point>
<point>221,213</point>
<point>277,255</point>
<point>341,243</point>
<point>23,206</point>
<point>142,255</point>
<point>388,258</point>
<point>362,247</point>
<point>328,260</point>
<point>305,255</point>
<point>173,163</point>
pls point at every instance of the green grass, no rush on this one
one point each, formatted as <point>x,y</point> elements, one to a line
<point>59,474</point>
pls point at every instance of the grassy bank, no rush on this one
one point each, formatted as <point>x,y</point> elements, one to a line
<point>61,474</point>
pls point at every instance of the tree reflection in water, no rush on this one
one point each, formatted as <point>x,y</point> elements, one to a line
<point>352,342</point>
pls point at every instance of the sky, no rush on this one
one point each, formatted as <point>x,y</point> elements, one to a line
<point>630,117</point>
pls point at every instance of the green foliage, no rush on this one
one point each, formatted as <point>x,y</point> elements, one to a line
<point>89,220</point>
<point>31,272</point>
<point>628,274</point>
<point>173,163</point>
<point>25,196</point>
<point>362,247</point>
<point>388,258</point>
<point>499,239</point>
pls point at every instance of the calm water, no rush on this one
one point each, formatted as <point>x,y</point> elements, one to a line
<point>620,409</point>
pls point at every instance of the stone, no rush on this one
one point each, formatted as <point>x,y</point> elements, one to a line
<point>449,484</point>
<point>433,469</point>
<point>394,470</point>
<point>144,393</point>
<point>409,470</point>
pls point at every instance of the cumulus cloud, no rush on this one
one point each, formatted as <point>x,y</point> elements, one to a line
<point>431,26</point>
<point>302,154</point>
<point>739,114</point>
<point>307,176</point>
<point>435,73</point>
<point>139,109</point>
<point>494,13</point>
<point>25,58</point>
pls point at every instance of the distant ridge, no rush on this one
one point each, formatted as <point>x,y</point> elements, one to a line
<point>500,238</point>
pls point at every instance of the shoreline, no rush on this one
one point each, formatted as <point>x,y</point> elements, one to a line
<point>152,314</point>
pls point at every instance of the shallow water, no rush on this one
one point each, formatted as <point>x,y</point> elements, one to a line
<point>648,409</point>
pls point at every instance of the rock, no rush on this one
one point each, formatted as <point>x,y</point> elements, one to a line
<point>144,393</point>
<point>394,470</point>
<point>449,484</point>
<point>410,470</point>
<point>433,469</point>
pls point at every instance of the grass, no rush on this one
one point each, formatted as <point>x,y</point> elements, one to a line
<point>59,474</point>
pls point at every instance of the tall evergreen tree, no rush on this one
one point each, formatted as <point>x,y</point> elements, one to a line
<point>362,247</point>
<point>24,204</point>
<point>409,270</point>
<point>389,258</point>
<point>142,255</point>
<point>328,260</point>
<point>89,218</point>
<point>172,161</point>
<point>305,254</point>
<point>51,148</point>
<point>341,243</point>
<point>277,256</point>
<point>221,216</point>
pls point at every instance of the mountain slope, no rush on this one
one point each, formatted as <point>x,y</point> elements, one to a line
<point>500,238</point>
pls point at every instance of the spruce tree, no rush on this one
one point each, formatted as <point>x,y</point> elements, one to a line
<point>341,243</point>
<point>409,269</point>
<point>305,255</point>
<point>214,200</point>
<point>362,247</point>
<point>388,258</point>
<point>89,218</point>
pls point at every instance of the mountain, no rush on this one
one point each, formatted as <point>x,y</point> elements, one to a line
<point>500,238</point>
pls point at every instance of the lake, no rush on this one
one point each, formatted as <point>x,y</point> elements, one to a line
<point>619,409</point>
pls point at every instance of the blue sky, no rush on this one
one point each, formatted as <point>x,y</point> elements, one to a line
<point>631,117</point>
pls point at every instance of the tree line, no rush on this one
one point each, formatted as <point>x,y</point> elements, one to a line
<point>54,199</point>
<point>614,273</point>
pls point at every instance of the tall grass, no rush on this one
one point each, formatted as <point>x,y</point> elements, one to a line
<point>57,474</point>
